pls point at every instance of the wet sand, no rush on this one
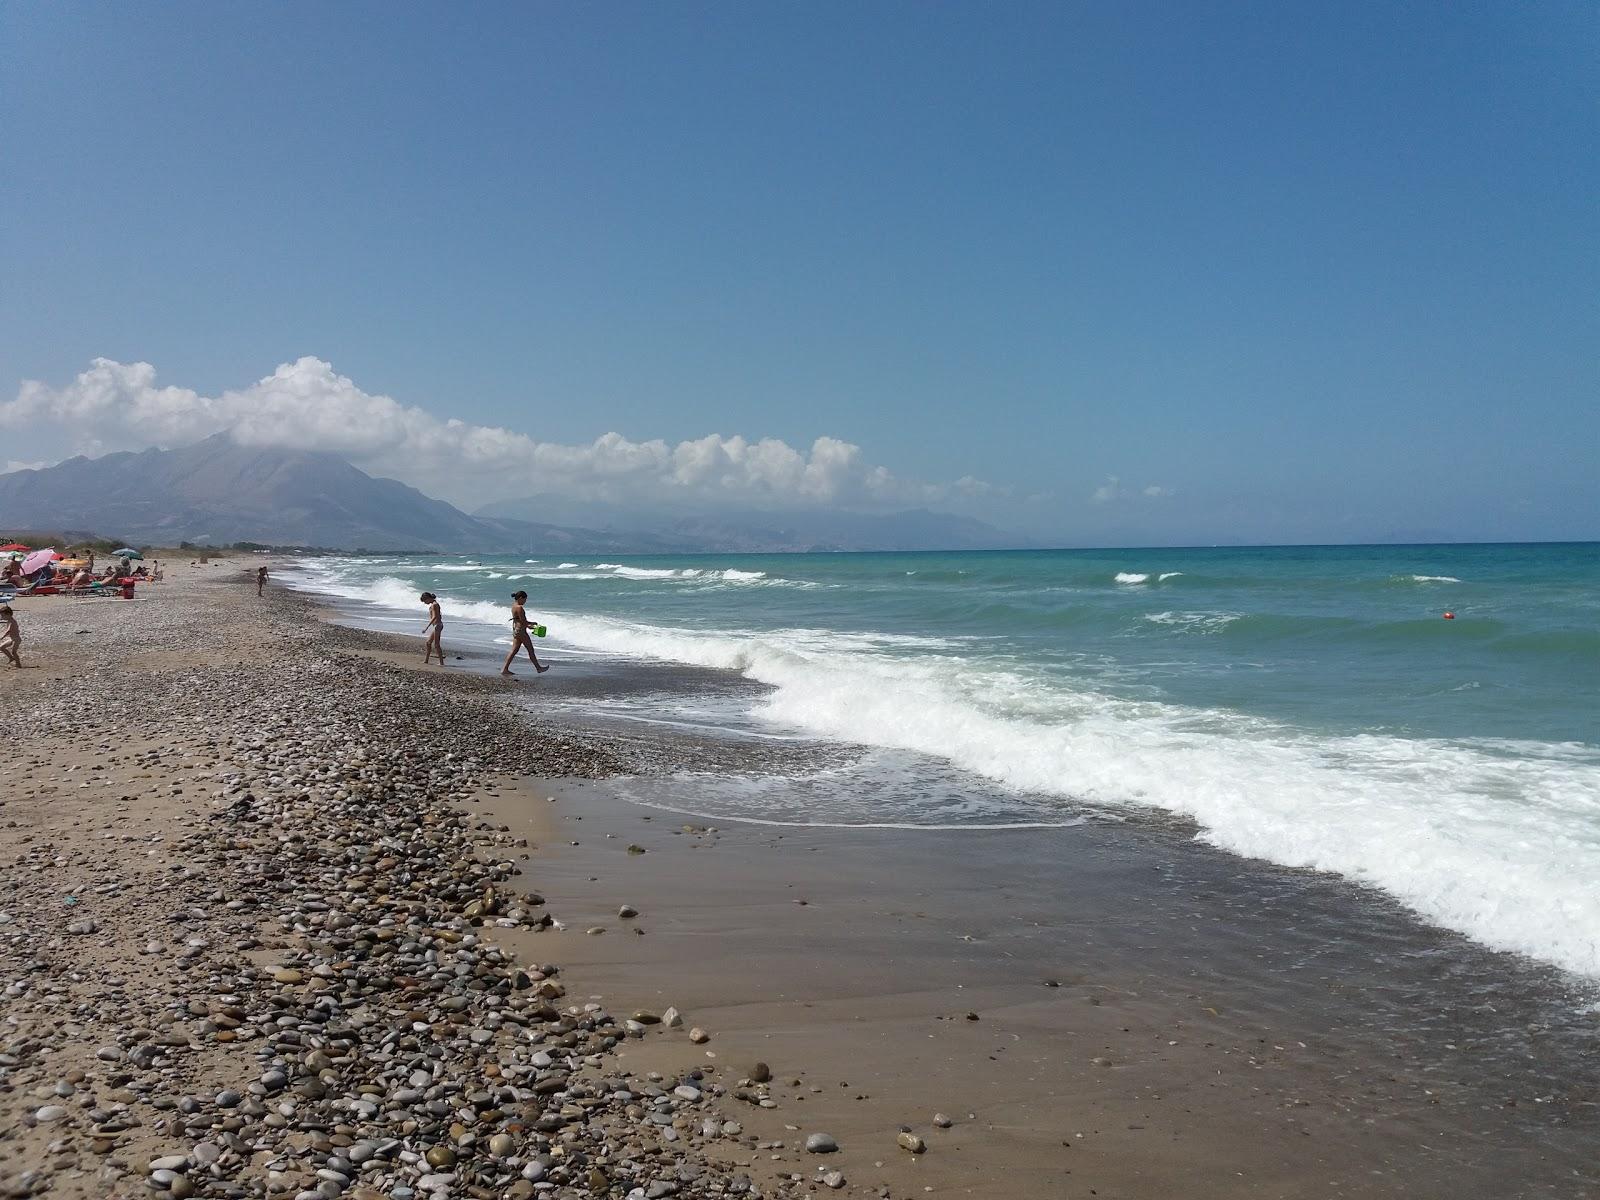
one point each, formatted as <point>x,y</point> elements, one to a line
<point>1097,1013</point>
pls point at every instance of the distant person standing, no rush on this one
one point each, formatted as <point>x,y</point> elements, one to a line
<point>10,636</point>
<point>434,629</point>
<point>261,579</point>
<point>521,638</point>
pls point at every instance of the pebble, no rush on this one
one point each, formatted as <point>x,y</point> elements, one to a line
<point>318,943</point>
<point>821,1143</point>
<point>911,1142</point>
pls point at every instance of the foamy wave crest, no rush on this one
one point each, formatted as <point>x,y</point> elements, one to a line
<point>647,572</point>
<point>1166,575</point>
<point>1195,622</point>
<point>1431,579</point>
<point>390,592</point>
<point>565,566</point>
<point>1132,577</point>
<point>1499,847</point>
<point>686,574</point>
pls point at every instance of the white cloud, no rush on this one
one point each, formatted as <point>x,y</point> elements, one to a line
<point>12,464</point>
<point>1107,491</point>
<point>1112,490</point>
<point>307,405</point>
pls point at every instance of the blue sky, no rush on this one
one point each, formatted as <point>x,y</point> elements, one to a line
<point>1309,272</point>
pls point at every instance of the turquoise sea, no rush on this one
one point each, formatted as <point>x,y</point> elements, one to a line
<point>1311,706</point>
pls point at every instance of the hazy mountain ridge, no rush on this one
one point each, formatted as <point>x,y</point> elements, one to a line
<point>758,532</point>
<point>217,491</point>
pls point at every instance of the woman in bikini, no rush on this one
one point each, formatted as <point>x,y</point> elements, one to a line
<point>521,639</point>
<point>434,629</point>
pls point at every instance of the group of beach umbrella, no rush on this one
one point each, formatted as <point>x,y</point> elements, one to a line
<point>33,560</point>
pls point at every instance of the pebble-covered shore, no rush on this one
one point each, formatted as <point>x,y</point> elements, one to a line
<point>248,934</point>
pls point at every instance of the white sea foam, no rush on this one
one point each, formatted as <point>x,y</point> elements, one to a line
<point>565,566</point>
<point>1132,577</point>
<point>1478,836</point>
<point>1166,575</point>
<point>1434,579</point>
<point>648,572</point>
<point>1194,622</point>
<point>1503,848</point>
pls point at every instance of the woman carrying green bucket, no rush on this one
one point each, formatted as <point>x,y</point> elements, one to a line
<point>522,635</point>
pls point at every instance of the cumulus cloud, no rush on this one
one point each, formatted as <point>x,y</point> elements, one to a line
<point>308,405</point>
<point>1113,490</point>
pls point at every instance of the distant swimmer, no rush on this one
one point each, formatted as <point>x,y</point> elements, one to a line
<point>521,638</point>
<point>434,628</point>
<point>261,579</point>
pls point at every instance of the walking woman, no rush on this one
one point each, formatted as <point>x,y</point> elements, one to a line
<point>434,629</point>
<point>521,638</point>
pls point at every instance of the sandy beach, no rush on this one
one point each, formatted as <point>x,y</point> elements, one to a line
<point>285,914</point>
<point>251,944</point>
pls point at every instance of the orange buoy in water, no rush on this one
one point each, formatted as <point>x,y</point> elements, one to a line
<point>1449,616</point>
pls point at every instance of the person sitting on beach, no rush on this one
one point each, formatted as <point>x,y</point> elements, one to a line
<point>14,579</point>
<point>520,637</point>
<point>10,636</point>
<point>434,628</point>
<point>261,579</point>
<point>82,579</point>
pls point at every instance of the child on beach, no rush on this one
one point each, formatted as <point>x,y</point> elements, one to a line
<point>435,625</point>
<point>520,637</point>
<point>10,636</point>
<point>261,579</point>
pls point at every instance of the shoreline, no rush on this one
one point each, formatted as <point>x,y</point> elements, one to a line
<point>768,979</point>
<point>1414,1049</point>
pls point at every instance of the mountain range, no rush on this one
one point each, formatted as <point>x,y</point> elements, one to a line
<point>217,491</point>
